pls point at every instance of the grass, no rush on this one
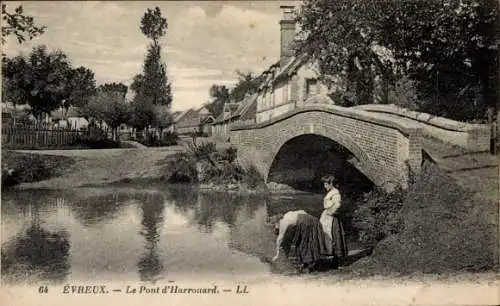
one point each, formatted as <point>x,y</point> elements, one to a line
<point>444,228</point>
<point>26,167</point>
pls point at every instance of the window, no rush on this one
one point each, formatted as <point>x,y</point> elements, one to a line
<point>311,87</point>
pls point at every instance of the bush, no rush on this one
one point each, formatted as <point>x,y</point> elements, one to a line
<point>181,167</point>
<point>252,178</point>
<point>22,168</point>
<point>439,227</point>
<point>378,216</point>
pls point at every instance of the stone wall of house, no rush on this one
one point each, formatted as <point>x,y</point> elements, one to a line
<point>289,94</point>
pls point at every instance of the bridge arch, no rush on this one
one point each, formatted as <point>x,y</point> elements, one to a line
<point>362,160</point>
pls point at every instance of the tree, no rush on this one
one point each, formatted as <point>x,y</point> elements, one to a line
<point>81,87</point>
<point>109,107</point>
<point>247,84</point>
<point>447,47</point>
<point>19,25</point>
<point>154,81</point>
<point>14,79</point>
<point>143,114</point>
<point>341,36</point>
<point>114,87</point>
<point>153,25</point>
<point>450,49</point>
<point>44,83</point>
<point>220,95</point>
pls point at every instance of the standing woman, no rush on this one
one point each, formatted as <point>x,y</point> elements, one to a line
<point>332,225</point>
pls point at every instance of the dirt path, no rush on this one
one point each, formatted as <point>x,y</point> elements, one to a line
<point>103,166</point>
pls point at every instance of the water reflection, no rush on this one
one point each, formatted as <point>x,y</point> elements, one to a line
<point>150,264</point>
<point>97,208</point>
<point>134,233</point>
<point>37,251</point>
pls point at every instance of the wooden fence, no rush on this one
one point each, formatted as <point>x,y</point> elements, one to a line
<point>39,137</point>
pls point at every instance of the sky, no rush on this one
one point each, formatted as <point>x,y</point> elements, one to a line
<point>206,41</point>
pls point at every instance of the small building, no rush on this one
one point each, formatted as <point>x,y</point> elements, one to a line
<point>235,113</point>
<point>194,121</point>
<point>221,125</point>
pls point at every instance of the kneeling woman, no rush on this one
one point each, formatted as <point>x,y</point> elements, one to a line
<point>300,235</point>
<point>332,225</point>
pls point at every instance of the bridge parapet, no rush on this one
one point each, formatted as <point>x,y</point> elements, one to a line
<point>384,149</point>
<point>472,137</point>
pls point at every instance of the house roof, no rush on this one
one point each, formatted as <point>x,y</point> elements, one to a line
<point>244,105</point>
<point>181,114</point>
<point>250,110</point>
<point>228,107</point>
<point>291,67</point>
<point>193,117</point>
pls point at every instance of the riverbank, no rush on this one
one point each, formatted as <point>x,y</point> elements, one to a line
<point>95,167</point>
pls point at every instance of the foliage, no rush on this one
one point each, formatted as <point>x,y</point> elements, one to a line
<point>339,35</point>
<point>143,113</point>
<point>404,94</point>
<point>152,86</point>
<point>165,139</point>
<point>203,151</point>
<point>19,25</point>
<point>109,107</point>
<point>220,96</point>
<point>46,81</point>
<point>30,167</point>
<point>163,117</point>
<point>14,74</point>
<point>153,25</point>
<point>447,47</point>
<point>114,87</point>
<point>230,154</point>
<point>81,87</point>
<point>181,167</point>
<point>247,84</point>
<point>378,216</point>
<point>437,226</point>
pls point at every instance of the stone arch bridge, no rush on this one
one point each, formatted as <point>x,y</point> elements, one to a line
<point>383,147</point>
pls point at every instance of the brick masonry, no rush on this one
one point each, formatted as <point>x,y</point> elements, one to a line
<point>384,152</point>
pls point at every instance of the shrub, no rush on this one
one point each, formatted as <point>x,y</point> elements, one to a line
<point>252,178</point>
<point>230,154</point>
<point>378,215</point>
<point>438,227</point>
<point>181,167</point>
<point>22,168</point>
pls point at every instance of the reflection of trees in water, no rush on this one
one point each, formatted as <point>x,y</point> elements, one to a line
<point>184,197</point>
<point>224,207</point>
<point>150,265</point>
<point>37,252</point>
<point>100,208</point>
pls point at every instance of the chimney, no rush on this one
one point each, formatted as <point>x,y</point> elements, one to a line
<point>287,27</point>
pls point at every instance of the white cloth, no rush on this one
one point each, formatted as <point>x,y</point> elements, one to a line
<point>290,218</point>
<point>331,203</point>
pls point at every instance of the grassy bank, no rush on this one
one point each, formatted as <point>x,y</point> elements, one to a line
<point>24,167</point>
<point>435,226</point>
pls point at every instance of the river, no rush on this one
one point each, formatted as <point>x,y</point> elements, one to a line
<point>139,233</point>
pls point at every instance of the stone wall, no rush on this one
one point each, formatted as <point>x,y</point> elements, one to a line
<point>472,137</point>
